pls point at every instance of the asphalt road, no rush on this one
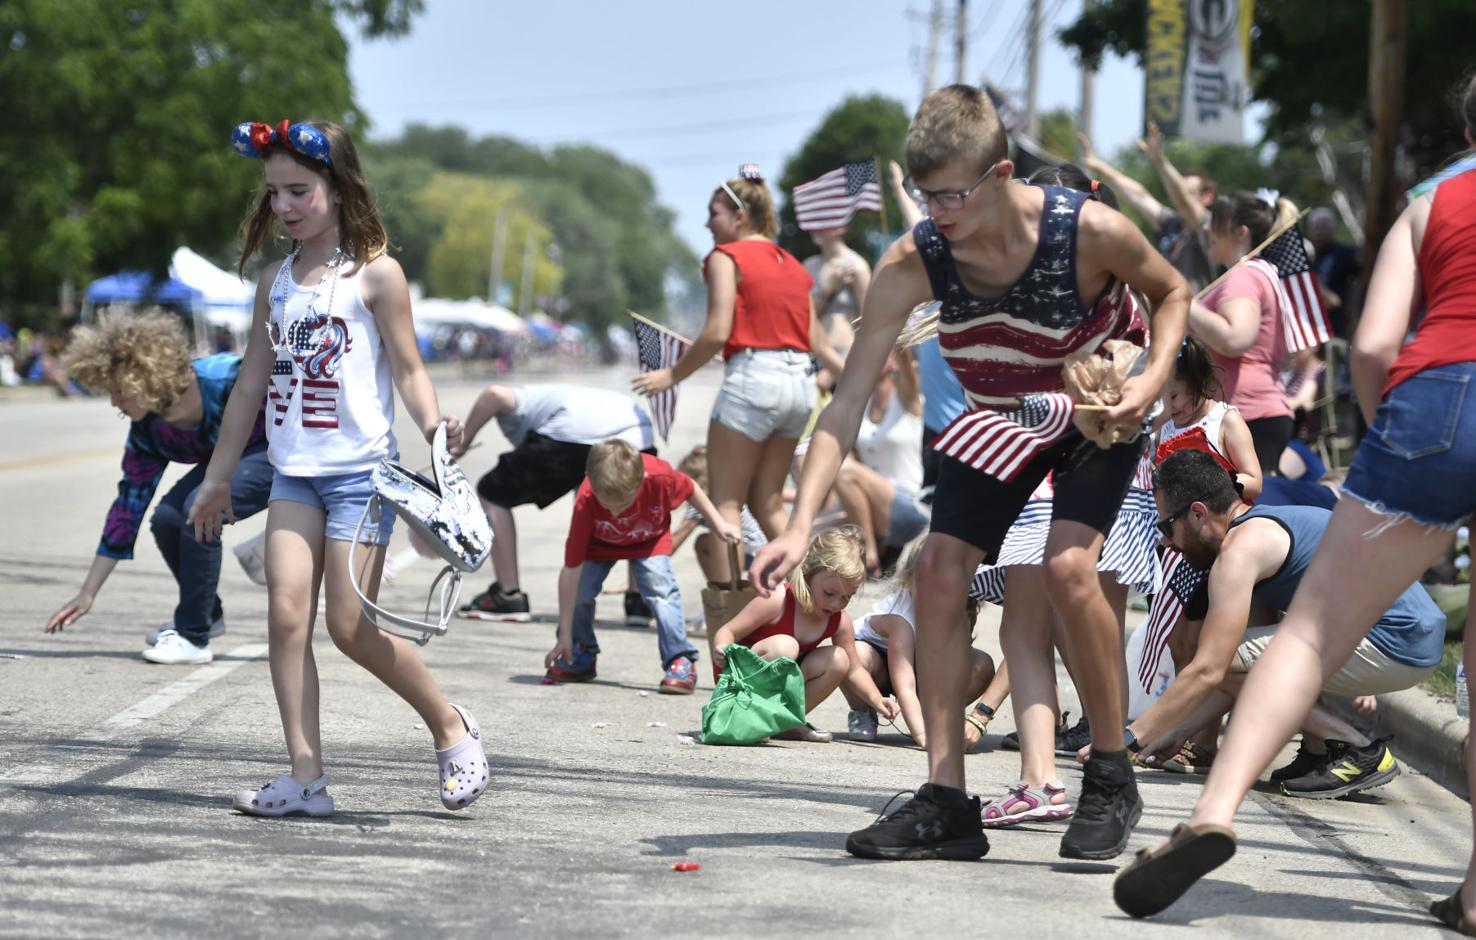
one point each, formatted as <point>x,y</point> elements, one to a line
<point>116,776</point>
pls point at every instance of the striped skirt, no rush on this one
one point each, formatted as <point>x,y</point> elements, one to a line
<point>1128,552</point>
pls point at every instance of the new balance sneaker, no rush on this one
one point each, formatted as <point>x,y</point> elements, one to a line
<point>861,724</point>
<point>1348,770</point>
<point>580,669</point>
<point>174,650</point>
<point>637,614</point>
<point>1300,766</point>
<point>938,822</point>
<point>1107,810</point>
<point>217,627</point>
<point>497,604</point>
<point>1069,741</point>
<point>680,678</point>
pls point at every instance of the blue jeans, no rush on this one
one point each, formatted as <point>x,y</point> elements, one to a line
<point>1418,460</point>
<point>196,565</point>
<point>658,587</point>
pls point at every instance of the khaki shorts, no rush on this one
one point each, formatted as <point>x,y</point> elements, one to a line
<point>1369,671</point>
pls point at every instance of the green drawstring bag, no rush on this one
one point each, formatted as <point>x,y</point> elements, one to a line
<point>755,698</point>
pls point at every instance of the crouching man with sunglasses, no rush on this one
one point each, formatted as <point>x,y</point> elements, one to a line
<point>1255,558</point>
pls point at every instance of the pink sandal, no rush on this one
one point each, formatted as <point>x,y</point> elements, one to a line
<point>1026,805</point>
<point>464,768</point>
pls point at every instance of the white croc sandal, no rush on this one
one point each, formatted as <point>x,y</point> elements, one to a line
<point>286,797</point>
<point>464,768</point>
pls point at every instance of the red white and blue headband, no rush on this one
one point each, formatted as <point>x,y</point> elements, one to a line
<point>252,138</point>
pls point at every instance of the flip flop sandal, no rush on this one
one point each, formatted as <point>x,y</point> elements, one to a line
<point>1037,806</point>
<point>286,797</point>
<point>464,768</point>
<point>1159,877</point>
<point>1450,912</point>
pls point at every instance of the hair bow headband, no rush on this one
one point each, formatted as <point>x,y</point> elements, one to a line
<point>252,138</point>
<point>1268,196</point>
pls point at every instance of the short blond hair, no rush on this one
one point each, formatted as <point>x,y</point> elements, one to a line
<point>956,122</point>
<point>840,551</point>
<point>758,204</point>
<point>143,356</point>
<point>615,470</point>
<point>694,465</point>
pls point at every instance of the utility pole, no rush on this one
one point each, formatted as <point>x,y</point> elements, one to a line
<point>499,253</point>
<point>935,36</point>
<point>525,283</point>
<point>961,42</point>
<point>1386,56</point>
<point>1032,71</point>
<point>1088,78</point>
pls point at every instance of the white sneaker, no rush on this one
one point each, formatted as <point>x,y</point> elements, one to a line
<point>217,627</point>
<point>174,650</point>
<point>252,556</point>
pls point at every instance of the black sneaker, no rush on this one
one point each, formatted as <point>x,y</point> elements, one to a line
<point>938,822</point>
<point>1070,741</point>
<point>1348,770</point>
<point>1010,742</point>
<point>637,614</point>
<point>1106,812</point>
<point>497,604</point>
<point>1303,764</point>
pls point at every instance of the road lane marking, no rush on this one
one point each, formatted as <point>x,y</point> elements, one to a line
<point>138,713</point>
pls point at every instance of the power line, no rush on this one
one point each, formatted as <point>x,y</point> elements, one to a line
<point>743,123</point>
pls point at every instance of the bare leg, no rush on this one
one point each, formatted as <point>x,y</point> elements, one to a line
<point>944,569</point>
<point>294,568</point>
<point>732,461</point>
<point>1093,635</point>
<point>504,545</point>
<point>766,490</point>
<point>871,661</point>
<point>867,498</point>
<point>1330,614</point>
<point>824,669</point>
<point>1025,634</point>
<point>390,659</point>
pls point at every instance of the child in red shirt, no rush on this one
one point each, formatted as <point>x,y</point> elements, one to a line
<point>622,511</point>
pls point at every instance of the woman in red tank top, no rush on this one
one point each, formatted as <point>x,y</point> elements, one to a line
<point>759,316</point>
<point>811,609</point>
<point>1411,484</point>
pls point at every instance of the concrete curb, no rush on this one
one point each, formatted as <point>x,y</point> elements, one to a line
<point>1428,736</point>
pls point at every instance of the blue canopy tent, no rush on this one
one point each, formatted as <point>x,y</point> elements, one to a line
<point>141,287</point>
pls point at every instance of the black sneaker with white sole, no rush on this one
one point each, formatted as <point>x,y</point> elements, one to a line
<point>1303,764</point>
<point>1346,770</point>
<point>637,614</point>
<point>1070,741</point>
<point>937,823</point>
<point>497,604</point>
<point>1107,810</point>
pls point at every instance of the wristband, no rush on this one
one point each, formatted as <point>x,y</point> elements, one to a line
<point>984,710</point>
<point>1130,740</point>
<point>975,722</point>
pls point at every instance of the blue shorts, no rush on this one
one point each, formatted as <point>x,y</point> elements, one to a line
<point>342,499</point>
<point>1418,460</point>
<point>908,517</point>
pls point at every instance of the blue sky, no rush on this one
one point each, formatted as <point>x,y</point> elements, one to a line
<point>691,89</point>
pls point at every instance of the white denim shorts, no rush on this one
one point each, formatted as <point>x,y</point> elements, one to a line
<point>1369,671</point>
<point>766,393</point>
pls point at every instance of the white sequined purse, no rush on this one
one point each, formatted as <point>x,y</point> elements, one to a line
<point>444,512</point>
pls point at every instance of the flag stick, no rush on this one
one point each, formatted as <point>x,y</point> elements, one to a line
<point>881,186</point>
<point>657,326</point>
<point>1254,252</point>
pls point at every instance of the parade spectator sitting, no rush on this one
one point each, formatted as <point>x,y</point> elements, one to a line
<point>174,406</point>
<point>552,428</point>
<point>1336,266</point>
<point>841,277</point>
<point>623,511</point>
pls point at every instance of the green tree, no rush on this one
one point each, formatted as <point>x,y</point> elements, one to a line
<point>467,207</point>
<point>859,128</point>
<point>115,149</point>
<point>1309,61</point>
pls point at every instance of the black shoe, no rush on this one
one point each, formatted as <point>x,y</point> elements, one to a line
<point>1303,764</point>
<point>1010,742</point>
<point>637,614</point>
<point>938,822</point>
<point>1106,812</point>
<point>497,604</point>
<point>1348,770</point>
<point>1070,741</point>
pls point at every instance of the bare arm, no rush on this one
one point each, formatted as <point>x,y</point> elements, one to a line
<point>1237,444</point>
<point>724,529</point>
<point>857,677</point>
<point>568,597</point>
<point>1230,330</point>
<point>909,387</point>
<point>911,214</point>
<point>1132,192</point>
<point>756,613</point>
<point>820,346</point>
<point>387,296</point>
<point>494,402</point>
<point>722,299</point>
<point>681,532</point>
<point>903,673</point>
<point>1394,293</point>
<point>76,608</point>
<point>1193,214</point>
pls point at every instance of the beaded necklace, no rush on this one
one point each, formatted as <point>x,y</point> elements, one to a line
<point>281,336</point>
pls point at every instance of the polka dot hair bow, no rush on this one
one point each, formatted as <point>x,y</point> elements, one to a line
<point>252,138</point>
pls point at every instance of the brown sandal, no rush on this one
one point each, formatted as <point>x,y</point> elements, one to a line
<point>1159,877</point>
<point>1191,759</point>
<point>1450,912</point>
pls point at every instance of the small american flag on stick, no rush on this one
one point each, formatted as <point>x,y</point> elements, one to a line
<point>998,443</point>
<point>659,348</point>
<point>829,201</point>
<point>1306,321</point>
<point>1180,581</point>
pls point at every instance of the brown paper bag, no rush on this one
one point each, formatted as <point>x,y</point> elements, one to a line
<point>721,602</point>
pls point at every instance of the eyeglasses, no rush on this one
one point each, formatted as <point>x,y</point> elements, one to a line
<point>1165,526</point>
<point>950,200</point>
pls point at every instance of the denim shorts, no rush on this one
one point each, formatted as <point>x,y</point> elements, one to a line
<point>1418,460</point>
<point>766,393</point>
<point>342,498</point>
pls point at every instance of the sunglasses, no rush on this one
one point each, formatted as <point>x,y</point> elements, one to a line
<point>950,200</point>
<point>1165,526</point>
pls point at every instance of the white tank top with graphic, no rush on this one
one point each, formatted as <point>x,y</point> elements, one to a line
<point>330,403</point>
<point>1210,423</point>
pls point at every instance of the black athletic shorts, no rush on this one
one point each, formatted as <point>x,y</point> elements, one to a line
<point>1090,486</point>
<point>538,471</point>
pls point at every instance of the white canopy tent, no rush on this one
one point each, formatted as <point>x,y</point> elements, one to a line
<point>477,314</point>
<point>225,299</point>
